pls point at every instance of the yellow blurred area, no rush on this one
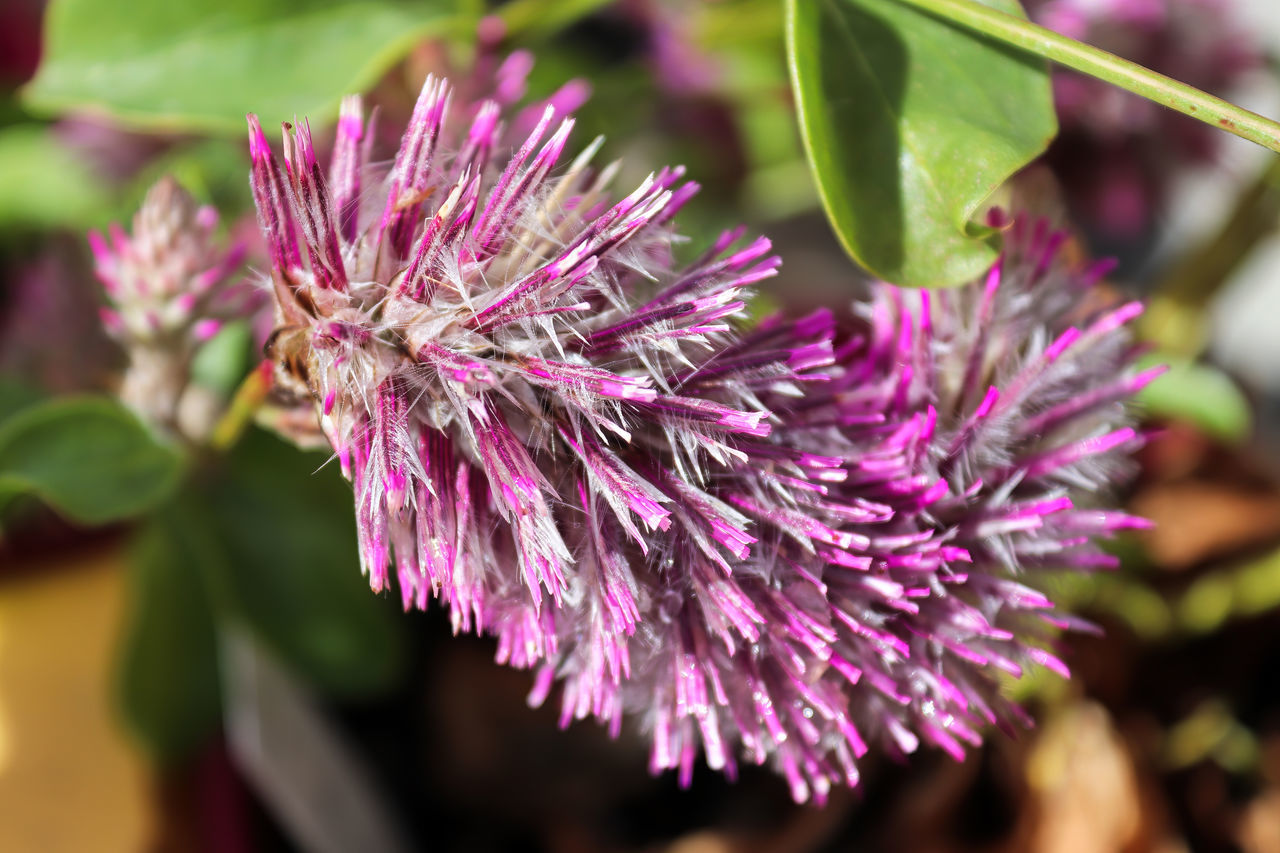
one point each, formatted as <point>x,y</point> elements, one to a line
<point>68,779</point>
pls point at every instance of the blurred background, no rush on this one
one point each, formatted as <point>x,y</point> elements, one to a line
<point>140,711</point>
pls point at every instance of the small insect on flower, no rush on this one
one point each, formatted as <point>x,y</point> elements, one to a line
<point>776,542</point>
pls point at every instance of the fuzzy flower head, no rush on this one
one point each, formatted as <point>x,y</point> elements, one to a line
<point>470,336</point>
<point>775,544</point>
<point>960,444</point>
<point>171,286</point>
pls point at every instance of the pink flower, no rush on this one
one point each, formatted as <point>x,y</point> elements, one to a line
<point>779,543</point>
<point>172,287</point>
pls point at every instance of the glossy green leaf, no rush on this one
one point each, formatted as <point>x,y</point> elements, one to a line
<point>286,524</point>
<point>43,184</point>
<point>88,457</point>
<point>166,677</point>
<point>910,123</point>
<point>202,64</point>
<point>1200,395</point>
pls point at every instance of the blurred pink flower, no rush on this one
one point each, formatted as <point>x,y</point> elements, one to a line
<point>171,287</point>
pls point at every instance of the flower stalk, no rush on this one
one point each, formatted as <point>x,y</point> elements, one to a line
<point>249,397</point>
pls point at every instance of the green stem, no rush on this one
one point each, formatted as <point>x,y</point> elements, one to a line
<point>1175,318</point>
<point>1105,66</point>
<point>1200,274</point>
<point>248,398</point>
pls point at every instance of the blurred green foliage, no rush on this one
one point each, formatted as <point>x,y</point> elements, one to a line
<point>267,540</point>
<point>1230,591</point>
<point>166,675</point>
<point>87,457</point>
<point>901,174</point>
<point>16,395</point>
<point>1198,394</point>
<point>289,566</point>
<point>44,185</point>
<point>534,19</point>
<point>202,64</point>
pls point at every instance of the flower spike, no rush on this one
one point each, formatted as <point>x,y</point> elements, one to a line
<point>785,543</point>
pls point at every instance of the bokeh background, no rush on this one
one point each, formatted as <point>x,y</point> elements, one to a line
<point>312,723</point>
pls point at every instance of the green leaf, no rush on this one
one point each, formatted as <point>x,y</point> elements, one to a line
<point>1200,395</point>
<point>166,674</point>
<point>910,123</point>
<point>202,64</point>
<point>16,395</point>
<point>286,523</point>
<point>88,457</point>
<point>44,185</point>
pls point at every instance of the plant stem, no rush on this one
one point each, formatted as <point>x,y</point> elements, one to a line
<point>244,405</point>
<point>1175,316</point>
<point>1105,66</point>
<point>1200,274</point>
